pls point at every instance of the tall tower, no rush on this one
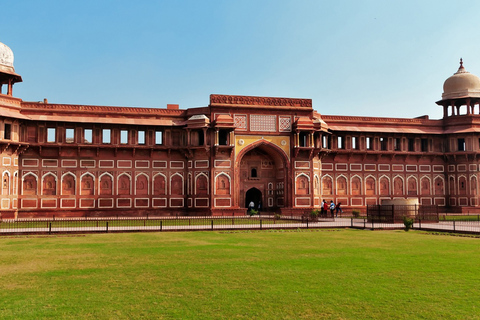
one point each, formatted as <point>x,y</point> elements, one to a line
<point>10,146</point>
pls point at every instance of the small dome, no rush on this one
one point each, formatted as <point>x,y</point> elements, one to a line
<point>462,84</point>
<point>6,56</point>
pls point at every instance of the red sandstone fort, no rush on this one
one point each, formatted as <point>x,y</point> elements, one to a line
<point>77,160</point>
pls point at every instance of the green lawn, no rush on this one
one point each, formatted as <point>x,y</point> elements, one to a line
<point>309,274</point>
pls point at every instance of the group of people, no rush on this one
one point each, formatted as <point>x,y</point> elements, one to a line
<point>325,206</point>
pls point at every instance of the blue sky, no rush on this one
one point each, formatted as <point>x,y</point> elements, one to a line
<point>372,58</point>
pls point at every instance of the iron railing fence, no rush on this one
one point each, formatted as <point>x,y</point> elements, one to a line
<point>159,224</point>
<point>178,223</point>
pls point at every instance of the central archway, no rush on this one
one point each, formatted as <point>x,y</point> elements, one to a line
<point>262,166</point>
<point>254,195</point>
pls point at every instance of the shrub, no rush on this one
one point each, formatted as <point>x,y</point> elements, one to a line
<point>278,216</point>
<point>408,222</point>
<point>314,214</point>
<point>356,213</point>
<point>252,212</point>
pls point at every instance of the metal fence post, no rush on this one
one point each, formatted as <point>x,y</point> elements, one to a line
<point>260,224</point>
<point>50,228</point>
<point>453,225</point>
<point>364,223</point>
<point>351,222</point>
<point>161,225</point>
<point>106,227</point>
<point>420,224</point>
<point>307,223</point>
<point>212,224</point>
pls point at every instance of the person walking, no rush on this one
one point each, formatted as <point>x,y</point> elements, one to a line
<point>251,205</point>
<point>338,208</point>
<point>322,209</point>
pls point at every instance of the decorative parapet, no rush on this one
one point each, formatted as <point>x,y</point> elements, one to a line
<point>39,106</point>
<point>224,100</point>
<point>11,102</point>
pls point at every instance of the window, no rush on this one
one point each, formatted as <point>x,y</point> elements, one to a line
<point>461,144</point>
<point>341,142</point>
<point>123,136</point>
<point>106,134</point>
<point>424,145</point>
<point>369,143</point>
<point>69,135</point>
<point>158,137</point>
<point>355,143</point>
<point>51,135</point>
<point>7,133</point>
<point>223,137</point>
<point>411,144</point>
<point>396,144</point>
<point>383,144</point>
<point>88,136</point>
<point>302,139</point>
<point>253,173</point>
<point>141,137</point>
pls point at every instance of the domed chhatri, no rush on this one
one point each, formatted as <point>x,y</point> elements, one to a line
<point>462,84</point>
<point>6,56</point>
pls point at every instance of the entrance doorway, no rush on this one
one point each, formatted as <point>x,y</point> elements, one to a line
<point>255,195</point>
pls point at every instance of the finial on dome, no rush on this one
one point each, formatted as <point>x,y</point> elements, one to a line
<point>461,69</point>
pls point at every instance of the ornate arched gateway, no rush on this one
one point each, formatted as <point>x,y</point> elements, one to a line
<point>262,172</point>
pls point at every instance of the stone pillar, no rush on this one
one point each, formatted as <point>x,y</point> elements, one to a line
<point>10,87</point>
<point>445,111</point>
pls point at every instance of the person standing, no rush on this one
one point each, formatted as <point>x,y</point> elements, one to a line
<point>251,205</point>
<point>332,207</point>
<point>325,207</point>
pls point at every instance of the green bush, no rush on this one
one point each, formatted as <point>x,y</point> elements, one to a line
<point>408,222</point>
<point>252,212</point>
<point>356,213</point>
<point>278,216</point>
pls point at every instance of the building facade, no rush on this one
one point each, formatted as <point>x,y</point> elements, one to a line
<point>77,160</point>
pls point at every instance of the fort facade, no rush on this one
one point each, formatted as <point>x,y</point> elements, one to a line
<point>280,153</point>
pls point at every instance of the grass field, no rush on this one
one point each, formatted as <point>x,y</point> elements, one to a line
<point>309,274</point>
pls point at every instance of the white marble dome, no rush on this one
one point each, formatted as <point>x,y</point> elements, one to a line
<point>462,84</point>
<point>6,56</point>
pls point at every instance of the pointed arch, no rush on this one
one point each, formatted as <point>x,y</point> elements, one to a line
<point>398,185</point>
<point>370,185</point>
<point>425,186</point>
<point>29,184</point>
<point>223,183</point>
<point>6,182</point>
<point>327,185</point>
<point>462,185</point>
<point>15,183</point>
<point>439,189</point>
<point>68,185</point>
<point>142,184</point>
<point>124,184</point>
<point>49,184</point>
<point>302,184</point>
<point>105,184</point>
<point>473,185</point>
<point>87,184</point>
<point>355,185</point>
<point>451,185</point>
<point>201,184</point>
<point>176,184</point>
<point>412,185</point>
<point>342,185</point>
<point>159,184</point>
<point>384,185</point>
